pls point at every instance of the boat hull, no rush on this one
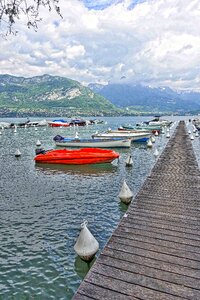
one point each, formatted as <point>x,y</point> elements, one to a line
<point>77,157</point>
<point>94,143</point>
<point>135,137</point>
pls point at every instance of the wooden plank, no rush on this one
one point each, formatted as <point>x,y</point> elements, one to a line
<point>134,267</point>
<point>146,281</point>
<point>128,288</point>
<point>154,254</point>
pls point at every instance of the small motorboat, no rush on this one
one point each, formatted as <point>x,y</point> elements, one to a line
<point>76,157</point>
<point>151,128</point>
<point>135,136</point>
<point>78,122</point>
<point>59,123</point>
<point>93,143</point>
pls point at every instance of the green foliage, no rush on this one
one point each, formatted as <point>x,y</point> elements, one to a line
<point>50,95</point>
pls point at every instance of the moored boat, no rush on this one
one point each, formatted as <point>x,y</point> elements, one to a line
<point>135,136</point>
<point>94,143</point>
<point>77,122</point>
<point>59,123</point>
<point>158,121</point>
<point>151,128</point>
<point>76,157</point>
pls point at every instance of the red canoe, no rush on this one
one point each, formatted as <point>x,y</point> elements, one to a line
<point>77,157</point>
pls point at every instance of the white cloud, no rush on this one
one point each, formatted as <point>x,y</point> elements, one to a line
<point>157,43</point>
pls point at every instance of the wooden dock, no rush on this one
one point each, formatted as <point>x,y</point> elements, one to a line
<point>154,254</point>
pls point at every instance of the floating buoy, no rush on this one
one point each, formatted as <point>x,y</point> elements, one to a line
<point>149,144</point>
<point>189,131</point>
<point>86,245</point>
<point>17,153</point>
<point>156,133</point>
<point>76,135</point>
<point>162,130</point>
<point>167,135</point>
<point>167,129</point>
<point>35,128</point>
<point>196,134</point>
<point>25,126</point>
<point>109,129</point>
<point>38,143</point>
<point>129,161</point>
<point>192,137</point>
<point>0,133</point>
<point>156,152</point>
<point>153,139</point>
<point>125,194</point>
<point>15,129</point>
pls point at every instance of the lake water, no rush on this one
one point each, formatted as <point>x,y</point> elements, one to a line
<point>42,207</point>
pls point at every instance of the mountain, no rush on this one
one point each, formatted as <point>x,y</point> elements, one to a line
<point>50,96</point>
<point>146,99</point>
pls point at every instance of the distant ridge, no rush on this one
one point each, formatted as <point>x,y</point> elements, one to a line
<point>146,99</point>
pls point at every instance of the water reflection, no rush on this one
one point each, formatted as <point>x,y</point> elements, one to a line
<point>82,267</point>
<point>94,170</point>
<point>123,207</point>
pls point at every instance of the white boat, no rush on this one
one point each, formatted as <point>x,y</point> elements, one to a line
<point>4,125</point>
<point>92,143</point>
<point>134,136</point>
<point>158,121</point>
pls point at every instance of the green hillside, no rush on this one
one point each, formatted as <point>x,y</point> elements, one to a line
<point>50,96</point>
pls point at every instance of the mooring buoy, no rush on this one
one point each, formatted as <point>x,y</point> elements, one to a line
<point>129,161</point>
<point>38,143</point>
<point>86,245</point>
<point>125,194</point>
<point>17,153</point>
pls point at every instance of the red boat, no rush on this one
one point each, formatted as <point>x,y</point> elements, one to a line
<point>77,157</point>
<point>59,123</point>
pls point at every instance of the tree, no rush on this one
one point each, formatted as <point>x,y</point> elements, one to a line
<point>11,10</point>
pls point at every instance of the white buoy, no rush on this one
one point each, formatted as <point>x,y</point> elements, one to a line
<point>162,130</point>
<point>38,143</point>
<point>0,132</point>
<point>25,126</point>
<point>76,135</point>
<point>17,153</point>
<point>167,129</point>
<point>156,133</point>
<point>109,129</point>
<point>86,245</point>
<point>35,128</point>
<point>15,129</point>
<point>129,161</point>
<point>167,135</point>
<point>125,194</point>
<point>189,131</point>
<point>156,152</point>
<point>149,144</point>
<point>191,137</point>
<point>196,134</point>
<point>153,139</point>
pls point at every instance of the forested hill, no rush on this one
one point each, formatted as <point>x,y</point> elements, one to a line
<point>50,96</point>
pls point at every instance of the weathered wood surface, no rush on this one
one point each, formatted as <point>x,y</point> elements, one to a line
<point>154,253</point>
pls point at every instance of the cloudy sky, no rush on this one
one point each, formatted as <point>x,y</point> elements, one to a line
<point>149,42</point>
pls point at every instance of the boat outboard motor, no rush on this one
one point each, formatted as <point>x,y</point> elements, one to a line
<point>40,151</point>
<point>58,138</point>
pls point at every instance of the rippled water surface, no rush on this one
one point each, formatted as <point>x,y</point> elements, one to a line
<point>42,207</point>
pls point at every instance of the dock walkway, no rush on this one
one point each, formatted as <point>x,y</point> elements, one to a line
<point>154,254</point>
